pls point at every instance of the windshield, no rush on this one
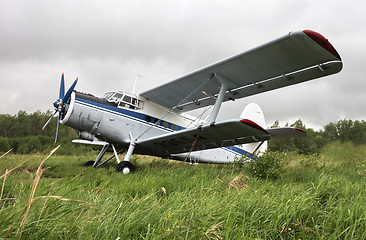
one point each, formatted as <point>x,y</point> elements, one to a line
<point>113,96</point>
<point>108,95</point>
<point>124,100</point>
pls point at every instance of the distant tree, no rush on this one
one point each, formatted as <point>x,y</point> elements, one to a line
<point>276,124</point>
<point>4,144</point>
<point>330,132</point>
<point>346,130</point>
<point>305,145</point>
<point>6,123</point>
<point>358,134</point>
<point>23,132</point>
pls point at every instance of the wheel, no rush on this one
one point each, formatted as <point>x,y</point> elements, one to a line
<point>125,167</point>
<point>88,163</point>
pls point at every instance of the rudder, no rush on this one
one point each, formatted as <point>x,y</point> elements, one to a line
<point>254,113</point>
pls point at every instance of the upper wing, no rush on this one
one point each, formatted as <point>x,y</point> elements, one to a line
<point>222,134</point>
<point>294,58</point>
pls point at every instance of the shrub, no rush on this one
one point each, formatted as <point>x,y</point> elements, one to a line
<point>4,145</point>
<point>29,144</point>
<point>268,166</point>
<point>311,160</point>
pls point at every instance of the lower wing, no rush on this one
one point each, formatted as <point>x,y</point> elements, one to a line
<point>222,134</point>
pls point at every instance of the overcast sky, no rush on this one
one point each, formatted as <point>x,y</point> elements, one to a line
<point>108,43</point>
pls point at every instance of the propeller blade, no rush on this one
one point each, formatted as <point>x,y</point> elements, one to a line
<point>68,94</point>
<point>62,87</point>
<point>58,124</point>
<point>49,120</point>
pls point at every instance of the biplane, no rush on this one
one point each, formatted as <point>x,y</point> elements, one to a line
<point>156,122</point>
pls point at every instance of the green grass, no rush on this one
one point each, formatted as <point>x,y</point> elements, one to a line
<point>315,197</point>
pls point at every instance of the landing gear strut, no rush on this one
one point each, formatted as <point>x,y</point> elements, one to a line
<point>125,166</point>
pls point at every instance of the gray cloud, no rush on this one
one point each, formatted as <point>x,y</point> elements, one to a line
<point>108,43</point>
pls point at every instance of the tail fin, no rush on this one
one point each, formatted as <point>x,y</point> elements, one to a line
<point>254,113</point>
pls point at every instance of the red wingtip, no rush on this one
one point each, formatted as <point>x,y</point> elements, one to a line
<point>77,79</point>
<point>62,74</point>
<point>299,129</point>
<point>322,41</point>
<point>253,125</point>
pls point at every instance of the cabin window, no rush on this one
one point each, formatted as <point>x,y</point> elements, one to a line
<point>148,118</point>
<point>165,124</point>
<point>130,102</point>
<point>127,99</point>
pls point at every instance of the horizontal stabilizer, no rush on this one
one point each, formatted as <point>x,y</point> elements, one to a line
<point>286,132</point>
<point>222,134</point>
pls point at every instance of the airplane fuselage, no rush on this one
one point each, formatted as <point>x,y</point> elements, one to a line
<point>118,121</point>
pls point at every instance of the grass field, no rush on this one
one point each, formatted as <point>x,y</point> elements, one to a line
<point>315,197</point>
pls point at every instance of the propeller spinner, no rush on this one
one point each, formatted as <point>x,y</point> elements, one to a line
<point>60,103</point>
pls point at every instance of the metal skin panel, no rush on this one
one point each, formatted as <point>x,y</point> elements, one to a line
<point>288,60</point>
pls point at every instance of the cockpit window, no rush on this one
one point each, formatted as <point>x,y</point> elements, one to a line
<point>108,95</point>
<point>113,96</point>
<point>116,97</point>
<point>123,100</point>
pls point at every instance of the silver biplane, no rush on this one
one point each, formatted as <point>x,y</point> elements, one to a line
<point>155,122</point>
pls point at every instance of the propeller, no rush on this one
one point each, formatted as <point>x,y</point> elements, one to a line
<point>60,103</point>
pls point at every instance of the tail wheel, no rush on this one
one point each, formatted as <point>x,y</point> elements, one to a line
<point>125,167</point>
<point>88,163</point>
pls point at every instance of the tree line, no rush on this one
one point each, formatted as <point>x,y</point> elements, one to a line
<point>344,130</point>
<point>23,132</point>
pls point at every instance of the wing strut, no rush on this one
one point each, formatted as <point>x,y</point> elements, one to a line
<point>226,84</point>
<point>258,147</point>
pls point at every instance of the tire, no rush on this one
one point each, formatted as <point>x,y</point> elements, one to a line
<point>125,167</point>
<point>88,163</point>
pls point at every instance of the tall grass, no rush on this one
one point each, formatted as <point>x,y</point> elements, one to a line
<point>315,197</point>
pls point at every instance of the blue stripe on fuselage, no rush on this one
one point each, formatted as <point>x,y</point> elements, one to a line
<point>126,113</point>
<point>236,150</point>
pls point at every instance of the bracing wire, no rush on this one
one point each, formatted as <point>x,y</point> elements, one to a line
<point>194,143</point>
<point>172,108</point>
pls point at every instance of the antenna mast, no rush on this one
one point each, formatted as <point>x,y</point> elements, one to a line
<point>134,85</point>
